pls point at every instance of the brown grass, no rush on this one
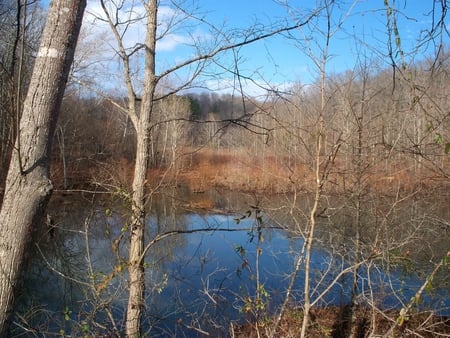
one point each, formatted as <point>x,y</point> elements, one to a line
<point>333,322</point>
<point>237,170</point>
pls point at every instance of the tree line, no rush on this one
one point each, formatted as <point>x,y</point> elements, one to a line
<point>391,126</point>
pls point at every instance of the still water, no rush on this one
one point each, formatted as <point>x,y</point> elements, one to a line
<point>205,274</point>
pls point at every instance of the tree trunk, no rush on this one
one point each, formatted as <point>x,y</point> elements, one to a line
<point>136,259</point>
<point>311,231</point>
<point>136,268</point>
<point>28,186</point>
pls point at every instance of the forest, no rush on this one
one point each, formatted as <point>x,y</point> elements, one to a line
<point>351,167</point>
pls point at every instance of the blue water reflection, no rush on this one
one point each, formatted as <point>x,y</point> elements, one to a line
<point>197,281</point>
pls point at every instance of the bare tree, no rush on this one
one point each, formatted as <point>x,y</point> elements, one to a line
<point>28,185</point>
<point>141,109</point>
<point>20,30</point>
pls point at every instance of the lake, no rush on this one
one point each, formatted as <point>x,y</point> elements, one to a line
<point>227,258</point>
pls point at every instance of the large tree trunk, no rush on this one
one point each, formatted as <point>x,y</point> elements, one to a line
<point>28,186</point>
<point>136,268</point>
<point>136,259</point>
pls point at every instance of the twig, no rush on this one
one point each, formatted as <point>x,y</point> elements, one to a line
<point>171,233</point>
<point>403,316</point>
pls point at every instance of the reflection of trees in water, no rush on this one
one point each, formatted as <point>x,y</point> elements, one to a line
<point>80,265</point>
<point>57,281</point>
<point>191,298</point>
<point>76,277</point>
<point>401,240</point>
<point>415,226</point>
<point>69,286</point>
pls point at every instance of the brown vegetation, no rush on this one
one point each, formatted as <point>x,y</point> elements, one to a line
<point>333,322</point>
<point>204,169</point>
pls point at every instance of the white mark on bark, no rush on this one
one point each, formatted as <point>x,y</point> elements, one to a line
<point>45,52</point>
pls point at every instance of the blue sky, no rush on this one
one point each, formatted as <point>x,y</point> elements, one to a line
<point>363,31</point>
<point>279,61</point>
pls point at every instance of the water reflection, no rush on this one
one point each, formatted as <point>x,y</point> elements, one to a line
<point>196,281</point>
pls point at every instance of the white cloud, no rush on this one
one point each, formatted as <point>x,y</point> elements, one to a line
<point>100,40</point>
<point>171,41</point>
<point>132,27</point>
<point>96,56</point>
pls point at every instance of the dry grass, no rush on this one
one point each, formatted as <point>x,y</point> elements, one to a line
<point>333,322</point>
<point>239,171</point>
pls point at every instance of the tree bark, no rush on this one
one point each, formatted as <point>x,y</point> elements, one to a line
<point>28,186</point>
<point>139,198</point>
